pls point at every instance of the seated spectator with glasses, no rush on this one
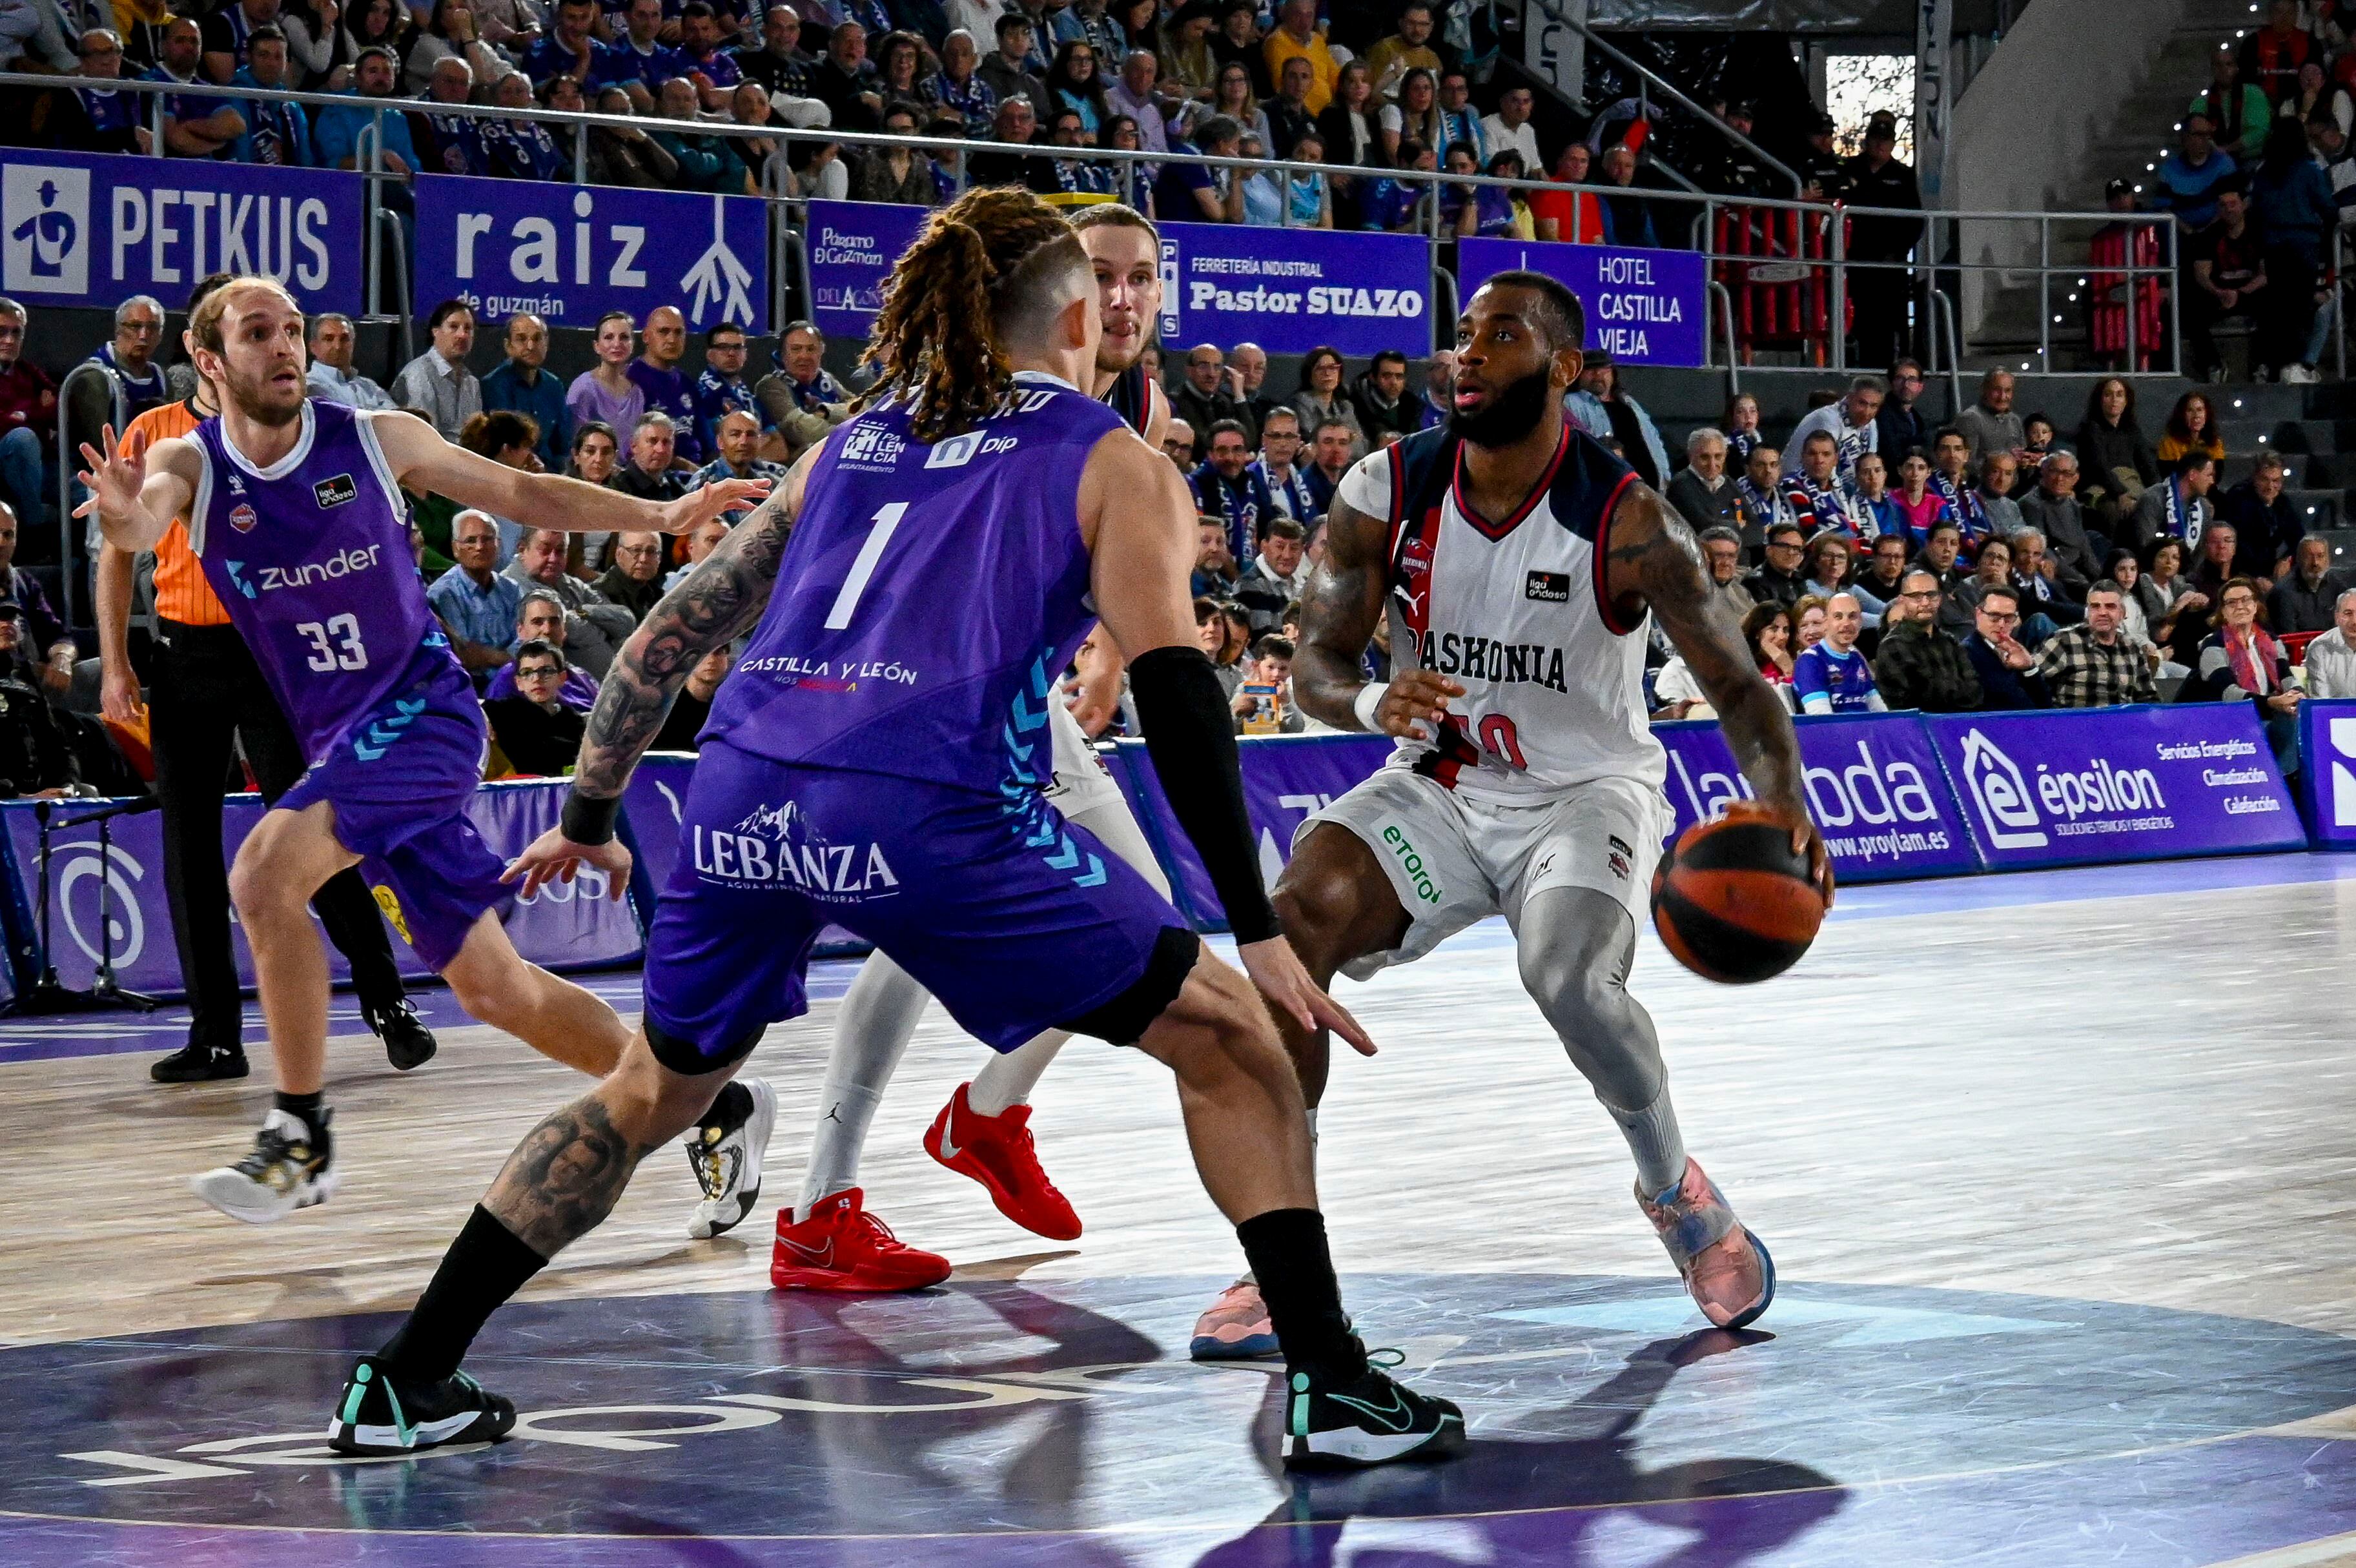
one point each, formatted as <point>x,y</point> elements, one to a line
<point>540,618</point>
<point>2008,671</point>
<point>634,582</point>
<point>538,733</point>
<point>1918,664</point>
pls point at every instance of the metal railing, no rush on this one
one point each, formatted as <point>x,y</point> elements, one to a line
<point>1649,80</point>
<point>1697,212</point>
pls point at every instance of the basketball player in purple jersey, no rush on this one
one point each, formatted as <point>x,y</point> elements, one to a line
<point>830,1241</point>
<point>1518,562</point>
<point>296,513</point>
<point>874,760</point>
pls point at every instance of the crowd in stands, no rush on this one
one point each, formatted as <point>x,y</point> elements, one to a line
<point>2009,566</point>
<point>1001,91</point>
<point>2261,182</point>
<point>1872,559</point>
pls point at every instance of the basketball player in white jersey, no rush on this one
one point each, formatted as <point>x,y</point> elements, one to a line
<point>829,1242</point>
<point>1516,560</point>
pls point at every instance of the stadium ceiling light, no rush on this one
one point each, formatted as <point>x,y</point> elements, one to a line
<point>2237,402</point>
<point>2147,168</point>
<point>2139,190</point>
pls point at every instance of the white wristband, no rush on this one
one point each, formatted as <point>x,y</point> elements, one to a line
<point>1370,696</point>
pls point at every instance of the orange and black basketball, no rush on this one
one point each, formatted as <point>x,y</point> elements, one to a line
<point>1734,903</point>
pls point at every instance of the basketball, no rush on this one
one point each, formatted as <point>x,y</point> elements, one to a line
<point>1733,902</point>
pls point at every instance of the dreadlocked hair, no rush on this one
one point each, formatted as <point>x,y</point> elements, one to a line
<point>939,341</point>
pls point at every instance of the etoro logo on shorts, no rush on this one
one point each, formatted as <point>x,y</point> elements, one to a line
<point>1411,860</point>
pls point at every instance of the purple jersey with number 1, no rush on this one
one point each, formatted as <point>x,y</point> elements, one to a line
<point>310,556</point>
<point>878,757</point>
<point>927,595</point>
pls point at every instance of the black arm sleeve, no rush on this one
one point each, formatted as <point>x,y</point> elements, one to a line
<point>1191,737</point>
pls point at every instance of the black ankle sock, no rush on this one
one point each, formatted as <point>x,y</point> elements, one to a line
<point>484,1267</point>
<point>308,1109</point>
<point>1290,1258</point>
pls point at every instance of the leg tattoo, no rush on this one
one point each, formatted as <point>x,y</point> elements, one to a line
<point>565,1177</point>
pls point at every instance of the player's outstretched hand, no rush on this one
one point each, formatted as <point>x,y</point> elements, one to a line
<point>553,857</point>
<point>116,472</point>
<point>700,506</point>
<point>1806,839</point>
<point>1276,970</point>
<point>1415,702</point>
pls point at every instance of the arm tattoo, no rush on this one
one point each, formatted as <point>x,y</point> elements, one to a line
<point>721,599</point>
<point>1339,611</point>
<point>564,1177</point>
<point>1655,560</point>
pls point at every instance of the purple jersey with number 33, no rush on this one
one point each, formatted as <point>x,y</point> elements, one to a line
<point>927,600</point>
<point>311,559</point>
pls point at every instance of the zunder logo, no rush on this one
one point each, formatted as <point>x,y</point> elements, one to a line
<point>2006,807</point>
<point>44,223</point>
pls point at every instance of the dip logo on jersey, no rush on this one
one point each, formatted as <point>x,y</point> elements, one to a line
<point>331,493</point>
<point>958,451</point>
<point>242,517</point>
<point>1621,859</point>
<point>1547,587</point>
<point>774,847</point>
<point>870,446</point>
<point>2007,808</point>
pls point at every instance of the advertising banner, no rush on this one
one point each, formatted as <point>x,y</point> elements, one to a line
<point>574,927</point>
<point>2115,783</point>
<point>1874,785</point>
<point>93,229</point>
<point>1288,290</point>
<point>1646,307</point>
<point>2327,771</point>
<point>1286,777</point>
<point>852,247</point>
<point>1293,290</point>
<point>569,253</point>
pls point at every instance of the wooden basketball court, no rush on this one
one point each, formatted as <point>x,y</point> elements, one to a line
<point>2059,1171</point>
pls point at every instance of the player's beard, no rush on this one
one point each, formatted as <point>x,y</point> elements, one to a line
<point>253,400</point>
<point>1512,413</point>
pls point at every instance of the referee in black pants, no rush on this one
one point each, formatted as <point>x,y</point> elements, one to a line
<point>209,697</point>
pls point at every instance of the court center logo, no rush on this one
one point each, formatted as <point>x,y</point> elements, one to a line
<point>44,223</point>
<point>2007,811</point>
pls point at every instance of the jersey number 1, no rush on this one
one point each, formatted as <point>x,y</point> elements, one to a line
<point>879,534</point>
<point>336,643</point>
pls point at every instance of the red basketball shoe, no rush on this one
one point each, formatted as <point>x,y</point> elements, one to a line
<point>843,1247</point>
<point>1726,1268</point>
<point>997,1151</point>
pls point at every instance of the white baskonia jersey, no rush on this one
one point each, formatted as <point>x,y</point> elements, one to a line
<point>1554,687</point>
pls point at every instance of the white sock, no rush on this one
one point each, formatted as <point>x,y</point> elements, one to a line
<point>1653,1138</point>
<point>1008,1077</point>
<point>880,1013</point>
<point>1313,1124</point>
